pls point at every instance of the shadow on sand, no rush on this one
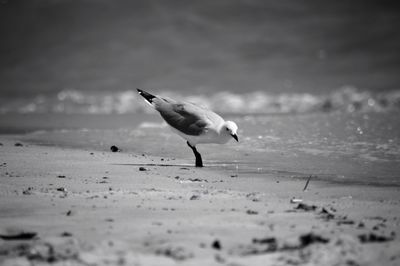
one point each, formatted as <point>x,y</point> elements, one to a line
<point>155,164</point>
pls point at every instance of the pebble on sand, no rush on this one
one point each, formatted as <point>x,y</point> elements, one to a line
<point>114,148</point>
<point>66,234</point>
<point>216,245</point>
<point>194,197</point>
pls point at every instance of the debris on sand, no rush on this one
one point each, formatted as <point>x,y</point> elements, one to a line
<point>308,181</point>
<point>176,253</point>
<point>62,189</point>
<point>258,246</point>
<point>327,215</point>
<point>191,180</point>
<point>27,191</point>
<point>372,237</point>
<point>61,176</point>
<point>143,169</point>
<point>114,148</point>
<point>251,212</point>
<point>254,196</point>
<point>15,234</point>
<point>194,197</point>
<point>66,234</point>
<point>18,144</point>
<point>70,213</point>
<point>270,243</point>
<point>311,238</point>
<point>42,252</point>
<point>197,180</point>
<point>306,207</point>
<point>344,221</point>
<point>295,200</point>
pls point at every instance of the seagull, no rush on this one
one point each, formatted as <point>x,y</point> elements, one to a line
<point>194,123</point>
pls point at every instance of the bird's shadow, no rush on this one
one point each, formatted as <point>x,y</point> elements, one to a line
<point>154,164</point>
<point>210,165</point>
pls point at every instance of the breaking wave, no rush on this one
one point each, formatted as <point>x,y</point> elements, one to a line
<point>346,99</point>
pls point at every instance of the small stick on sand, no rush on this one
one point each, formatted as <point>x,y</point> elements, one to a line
<point>308,181</point>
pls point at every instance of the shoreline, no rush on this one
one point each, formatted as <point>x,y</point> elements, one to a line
<point>104,208</point>
<point>210,164</point>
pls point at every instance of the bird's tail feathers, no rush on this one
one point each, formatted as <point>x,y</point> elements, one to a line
<point>147,96</point>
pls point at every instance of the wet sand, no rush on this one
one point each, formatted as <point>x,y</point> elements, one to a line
<point>64,206</point>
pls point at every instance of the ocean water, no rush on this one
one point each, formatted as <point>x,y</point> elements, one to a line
<point>70,101</point>
<point>313,86</point>
<point>347,136</point>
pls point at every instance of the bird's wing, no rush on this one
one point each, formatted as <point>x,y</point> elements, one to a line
<point>188,118</point>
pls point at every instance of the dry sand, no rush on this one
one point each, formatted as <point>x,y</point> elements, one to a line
<point>79,207</point>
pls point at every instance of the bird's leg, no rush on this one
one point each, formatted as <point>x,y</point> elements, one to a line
<point>199,161</point>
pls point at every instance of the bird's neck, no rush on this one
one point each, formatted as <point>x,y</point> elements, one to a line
<point>221,130</point>
<point>224,137</point>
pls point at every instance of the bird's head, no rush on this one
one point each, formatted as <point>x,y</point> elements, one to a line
<point>231,129</point>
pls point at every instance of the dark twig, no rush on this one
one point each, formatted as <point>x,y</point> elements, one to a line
<point>308,181</point>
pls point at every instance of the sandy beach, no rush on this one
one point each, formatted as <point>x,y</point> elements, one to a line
<point>310,174</point>
<point>63,206</point>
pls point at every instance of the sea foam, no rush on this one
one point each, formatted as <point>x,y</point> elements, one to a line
<point>345,99</point>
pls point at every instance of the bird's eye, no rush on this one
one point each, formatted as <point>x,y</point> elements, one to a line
<point>227,129</point>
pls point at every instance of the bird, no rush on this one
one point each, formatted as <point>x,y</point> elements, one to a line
<point>194,123</point>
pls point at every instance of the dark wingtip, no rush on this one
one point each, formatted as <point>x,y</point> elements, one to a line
<point>149,97</point>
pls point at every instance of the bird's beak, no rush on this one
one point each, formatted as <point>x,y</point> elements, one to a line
<point>235,137</point>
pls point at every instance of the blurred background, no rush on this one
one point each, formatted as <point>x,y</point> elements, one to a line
<point>313,85</point>
<point>88,56</point>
